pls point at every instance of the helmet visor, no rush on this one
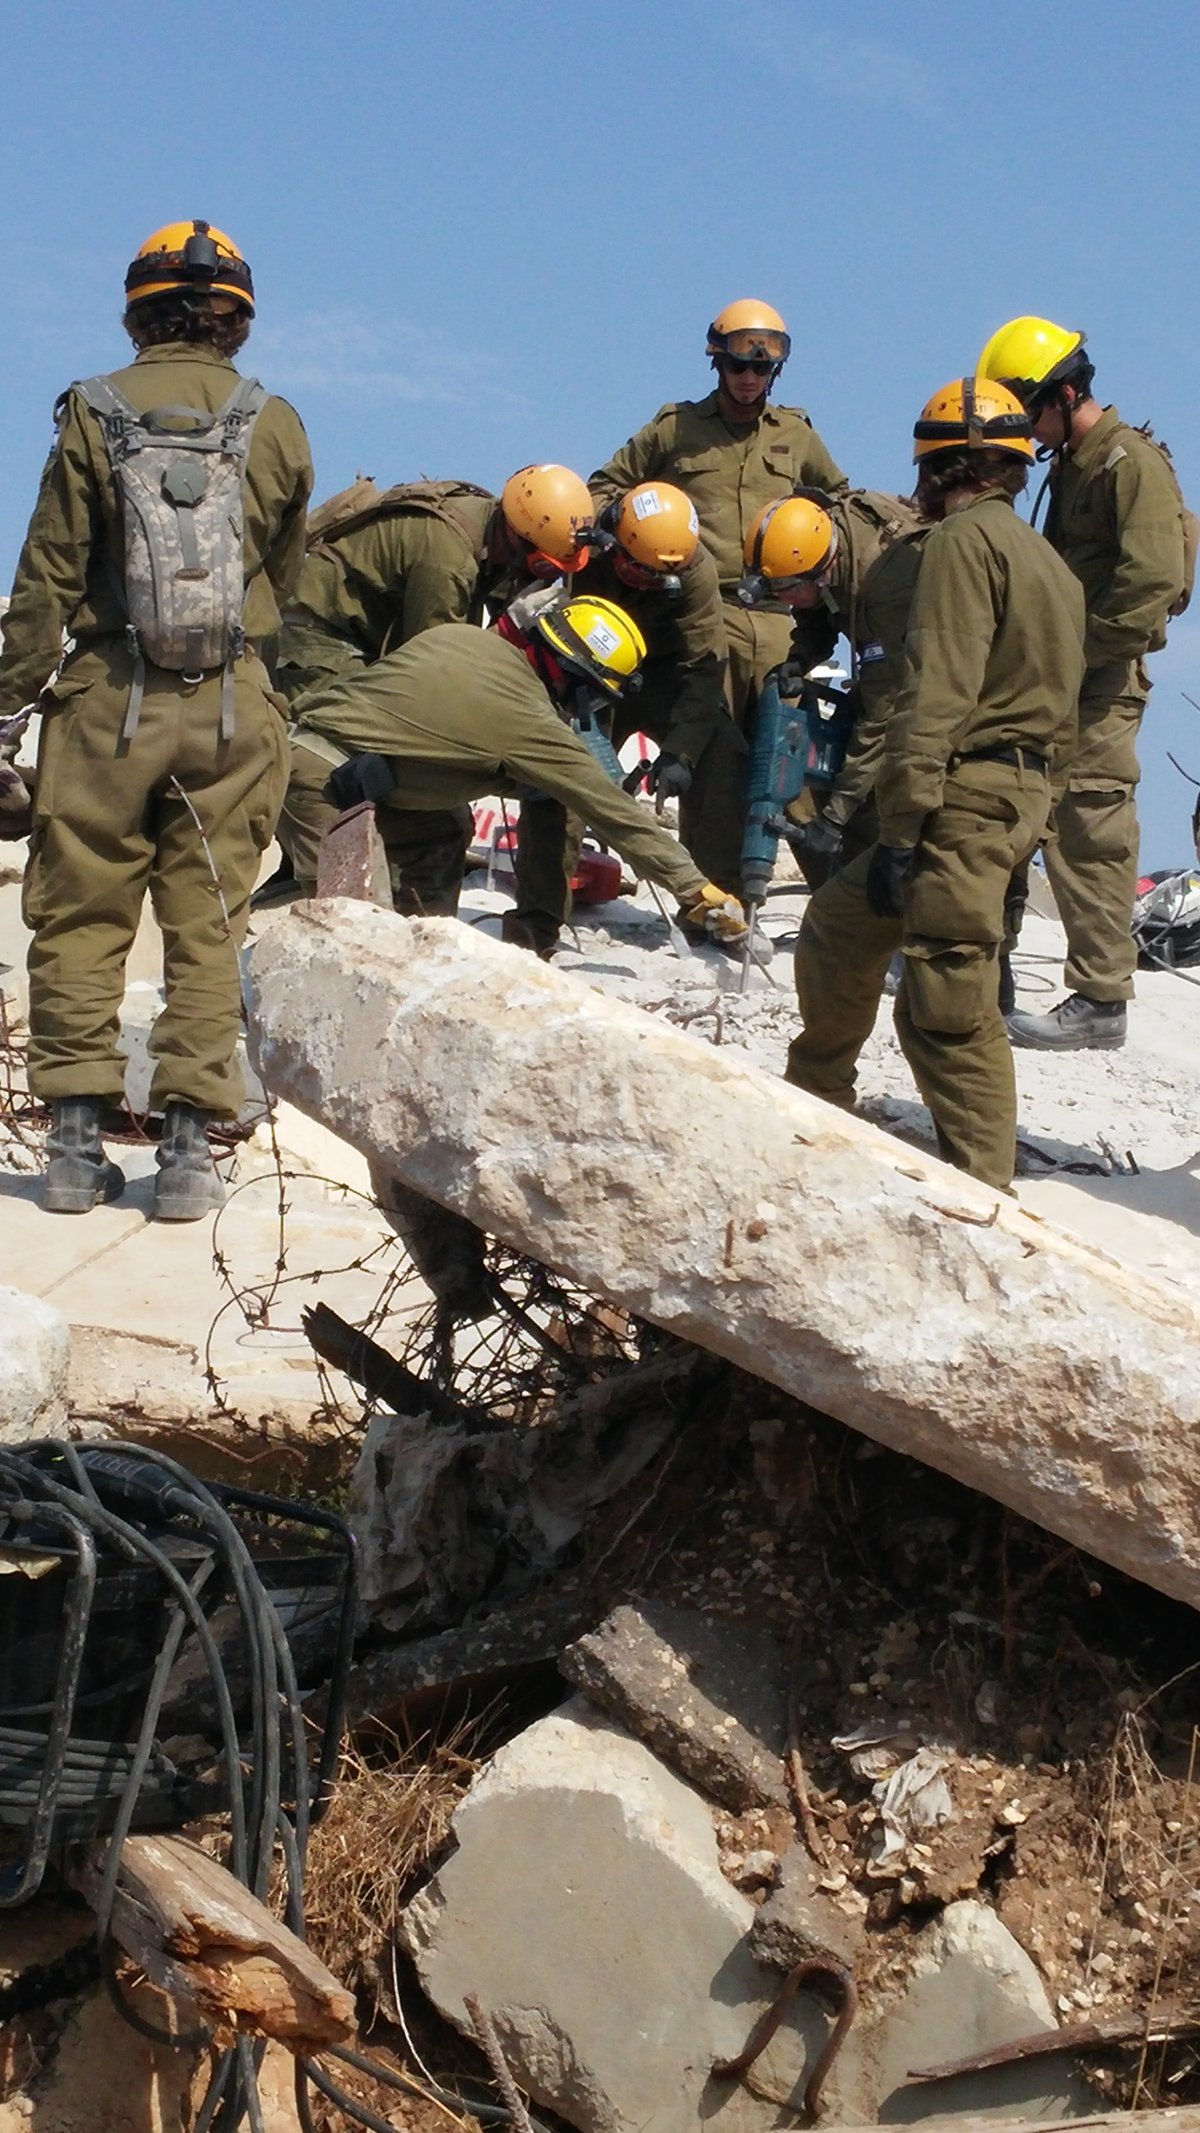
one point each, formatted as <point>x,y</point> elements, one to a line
<point>757,341</point>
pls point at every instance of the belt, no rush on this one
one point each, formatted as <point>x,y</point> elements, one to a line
<point>1020,758</point>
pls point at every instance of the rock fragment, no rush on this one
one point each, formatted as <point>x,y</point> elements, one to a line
<point>706,1693</point>
<point>35,1352</point>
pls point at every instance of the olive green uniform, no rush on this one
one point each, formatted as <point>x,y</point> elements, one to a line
<point>681,705</point>
<point>370,590</point>
<point>994,660</point>
<point>375,587</point>
<point>114,818</point>
<point>1116,517</point>
<point>872,611</point>
<point>729,472</point>
<point>460,712</point>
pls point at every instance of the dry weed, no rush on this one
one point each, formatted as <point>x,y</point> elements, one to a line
<point>386,1821</point>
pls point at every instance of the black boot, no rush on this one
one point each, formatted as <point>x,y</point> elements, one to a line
<point>187,1186</point>
<point>78,1173</point>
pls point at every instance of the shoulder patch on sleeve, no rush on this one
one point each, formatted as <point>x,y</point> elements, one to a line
<point>1118,452</point>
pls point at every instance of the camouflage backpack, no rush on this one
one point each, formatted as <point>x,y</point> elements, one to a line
<point>179,474</point>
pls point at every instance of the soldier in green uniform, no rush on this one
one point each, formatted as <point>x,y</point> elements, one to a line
<point>1116,517</point>
<point>820,558</point>
<point>462,712</point>
<point>646,556</point>
<point>158,777</point>
<point>381,568</point>
<point>994,658</point>
<point>731,453</point>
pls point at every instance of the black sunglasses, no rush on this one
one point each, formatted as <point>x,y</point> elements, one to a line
<point>760,365</point>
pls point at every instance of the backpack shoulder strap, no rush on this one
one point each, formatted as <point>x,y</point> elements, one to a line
<point>434,498</point>
<point>101,395</point>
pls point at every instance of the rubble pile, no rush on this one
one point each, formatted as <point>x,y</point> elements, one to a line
<point>773,1697</point>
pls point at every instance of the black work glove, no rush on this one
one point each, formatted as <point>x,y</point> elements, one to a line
<point>818,847</point>
<point>668,778</point>
<point>790,678</point>
<point>364,777</point>
<point>888,875</point>
<point>817,839</point>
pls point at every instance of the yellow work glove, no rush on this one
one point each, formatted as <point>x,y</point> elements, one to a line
<point>714,912</point>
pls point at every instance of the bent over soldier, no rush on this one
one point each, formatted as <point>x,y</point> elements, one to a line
<point>163,754</point>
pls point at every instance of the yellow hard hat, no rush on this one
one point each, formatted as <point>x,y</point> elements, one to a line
<point>972,413</point>
<point>749,328</point>
<point>549,507</point>
<point>792,538</point>
<point>189,255</point>
<point>656,526</point>
<point>596,638</point>
<point>1030,353</point>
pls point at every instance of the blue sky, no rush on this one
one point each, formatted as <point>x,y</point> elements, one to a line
<point>484,235</point>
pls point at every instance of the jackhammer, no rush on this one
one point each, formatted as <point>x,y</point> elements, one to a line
<point>794,745</point>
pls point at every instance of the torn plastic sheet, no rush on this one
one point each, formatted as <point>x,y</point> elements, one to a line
<point>909,1787</point>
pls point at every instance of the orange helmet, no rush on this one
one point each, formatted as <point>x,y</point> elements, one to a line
<point>189,255</point>
<point>656,526</point>
<point>748,329</point>
<point>973,414</point>
<point>791,539</point>
<point>549,508</point>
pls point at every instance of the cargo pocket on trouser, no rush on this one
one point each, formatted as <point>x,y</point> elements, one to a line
<point>55,704</point>
<point>267,804</point>
<point>949,987</point>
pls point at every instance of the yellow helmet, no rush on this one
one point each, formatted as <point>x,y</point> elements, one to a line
<point>747,329</point>
<point>549,507</point>
<point>189,255</point>
<point>595,638</point>
<point>792,538</point>
<point>656,526</point>
<point>1031,353</point>
<point>975,414</point>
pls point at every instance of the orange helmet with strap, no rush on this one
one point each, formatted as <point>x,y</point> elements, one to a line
<point>193,256</point>
<point>972,414</point>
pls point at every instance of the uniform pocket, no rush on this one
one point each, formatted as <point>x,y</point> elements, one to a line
<point>949,987</point>
<point>272,788</point>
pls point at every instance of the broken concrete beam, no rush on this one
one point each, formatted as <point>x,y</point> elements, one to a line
<point>708,1695</point>
<point>923,1308</point>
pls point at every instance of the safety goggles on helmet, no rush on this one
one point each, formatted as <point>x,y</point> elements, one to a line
<point>746,344</point>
